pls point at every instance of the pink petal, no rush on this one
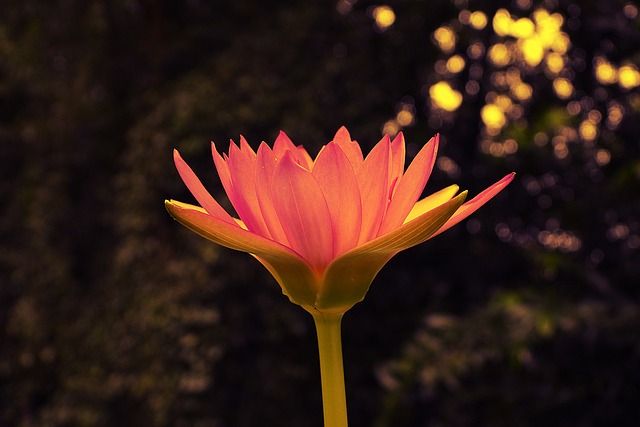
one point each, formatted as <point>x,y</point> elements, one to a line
<point>197,189</point>
<point>410,186</point>
<point>337,180</point>
<point>284,144</point>
<point>242,169</point>
<point>474,204</point>
<point>223,170</point>
<point>303,212</point>
<point>349,147</point>
<point>303,158</point>
<point>296,277</point>
<point>373,178</point>
<point>398,154</point>
<point>264,176</point>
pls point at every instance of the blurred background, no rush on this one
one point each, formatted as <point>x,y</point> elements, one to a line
<point>112,314</point>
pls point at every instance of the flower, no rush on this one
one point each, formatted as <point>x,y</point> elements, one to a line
<point>324,227</point>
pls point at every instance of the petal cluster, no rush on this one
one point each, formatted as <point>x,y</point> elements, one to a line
<point>324,227</point>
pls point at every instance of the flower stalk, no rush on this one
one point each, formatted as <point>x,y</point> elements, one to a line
<point>334,401</point>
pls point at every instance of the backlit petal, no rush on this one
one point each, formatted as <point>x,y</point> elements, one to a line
<point>242,168</point>
<point>350,148</point>
<point>294,274</point>
<point>223,170</point>
<point>410,186</point>
<point>197,189</point>
<point>303,212</point>
<point>373,181</point>
<point>398,154</point>
<point>348,277</point>
<point>264,176</point>
<point>431,201</point>
<point>337,180</point>
<point>474,204</point>
<point>283,144</point>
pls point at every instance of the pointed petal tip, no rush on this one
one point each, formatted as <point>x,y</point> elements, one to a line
<point>342,134</point>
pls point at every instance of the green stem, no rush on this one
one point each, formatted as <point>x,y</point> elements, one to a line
<point>334,401</point>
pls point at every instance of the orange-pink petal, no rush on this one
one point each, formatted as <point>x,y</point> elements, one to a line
<point>223,169</point>
<point>266,165</point>
<point>410,186</point>
<point>242,168</point>
<point>283,144</point>
<point>197,189</point>
<point>474,204</point>
<point>296,277</point>
<point>398,154</point>
<point>302,211</point>
<point>350,148</point>
<point>337,180</point>
<point>373,179</point>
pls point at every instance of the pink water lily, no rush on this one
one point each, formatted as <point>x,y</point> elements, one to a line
<point>324,227</point>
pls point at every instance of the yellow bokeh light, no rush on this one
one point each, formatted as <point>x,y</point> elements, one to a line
<point>390,128</point>
<point>563,88</point>
<point>446,38</point>
<point>605,72</point>
<point>384,16</point>
<point>535,37</point>
<point>532,51</point>
<point>499,55</point>
<point>493,116</point>
<point>628,76</point>
<point>522,28</point>
<point>502,22</point>
<point>455,64</point>
<point>478,20</point>
<point>555,62</point>
<point>444,97</point>
<point>522,91</point>
<point>560,43</point>
<point>503,102</point>
<point>588,131</point>
<point>404,117</point>
<point>546,22</point>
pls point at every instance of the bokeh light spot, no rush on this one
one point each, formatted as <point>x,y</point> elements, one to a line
<point>493,116</point>
<point>605,72</point>
<point>446,39</point>
<point>444,97</point>
<point>628,76</point>
<point>478,20</point>
<point>532,50</point>
<point>588,130</point>
<point>499,55</point>
<point>563,88</point>
<point>455,64</point>
<point>384,17</point>
<point>554,62</point>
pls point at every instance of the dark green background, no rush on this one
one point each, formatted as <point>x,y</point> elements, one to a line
<point>111,314</point>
